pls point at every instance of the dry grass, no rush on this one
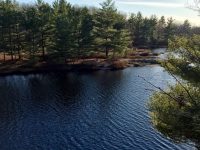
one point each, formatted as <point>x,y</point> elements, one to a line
<point>119,64</point>
<point>94,60</point>
<point>7,57</point>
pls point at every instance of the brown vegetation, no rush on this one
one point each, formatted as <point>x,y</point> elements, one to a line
<point>119,64</point>
<point>96,61</point>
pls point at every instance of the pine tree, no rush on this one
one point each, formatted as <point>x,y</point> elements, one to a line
<point>109,31</point>
<point>87,37</point>
<point>31,23</point>
<point>169,30</point>
<point>104,30</point>
<point>63,32</point>
<point>160,31</point>
<point>46,27</point>
<point>82,31</point>
<point>121,39</point>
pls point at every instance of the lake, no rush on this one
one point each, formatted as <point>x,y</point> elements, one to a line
<point>86,111</point>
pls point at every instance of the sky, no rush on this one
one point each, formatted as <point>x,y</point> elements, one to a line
<point>169,8</point>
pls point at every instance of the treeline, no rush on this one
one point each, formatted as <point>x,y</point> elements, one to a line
<point>155,32</point>
<point>64,31</point>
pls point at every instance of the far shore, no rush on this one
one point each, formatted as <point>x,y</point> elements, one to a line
<point>141,57</point>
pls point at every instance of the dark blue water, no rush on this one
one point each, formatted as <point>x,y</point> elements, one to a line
<point>101,110</point>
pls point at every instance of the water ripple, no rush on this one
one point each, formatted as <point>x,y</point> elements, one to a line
<point>101,110</point>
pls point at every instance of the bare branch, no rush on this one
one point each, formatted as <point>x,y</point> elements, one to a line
<point>152,90</point>
<point>187,91</point>
<point>160,89</point>
<point>194,6</point>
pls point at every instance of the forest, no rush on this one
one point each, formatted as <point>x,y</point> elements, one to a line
<point>61,31</point>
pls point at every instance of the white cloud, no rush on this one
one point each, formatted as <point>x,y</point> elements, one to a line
<point>152,4</point>
<point>195,21</point>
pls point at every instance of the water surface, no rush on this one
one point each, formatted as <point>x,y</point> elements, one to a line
<point>100,110</point>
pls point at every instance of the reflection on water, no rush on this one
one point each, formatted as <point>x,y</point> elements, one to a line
<point>101,110</point>
<point>162,53</point>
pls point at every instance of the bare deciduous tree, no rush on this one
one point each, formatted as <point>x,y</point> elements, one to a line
<point>194,5</point>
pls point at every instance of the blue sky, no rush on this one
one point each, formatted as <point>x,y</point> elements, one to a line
<point>175,8</point>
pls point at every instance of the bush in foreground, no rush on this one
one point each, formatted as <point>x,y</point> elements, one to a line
<point>176,113</point>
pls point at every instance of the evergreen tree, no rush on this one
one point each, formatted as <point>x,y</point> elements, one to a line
<point>109,31</point>
<point>138,33</point>
<point>121,39</point>
<point>152,30</point>
<point>31,23</point>
<point>63,27</point>
<point>160,31</point>
<point>87,37</point>
<point>82,31</point>
<point>169,30</point>
<point>104,30</point>
<point>2,28</point>
<point>184,29</point>
<point>8,24</point>
<point>45,27</point>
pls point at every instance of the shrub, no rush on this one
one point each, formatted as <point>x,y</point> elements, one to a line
<point>177,118</point>
<point>119,64</point>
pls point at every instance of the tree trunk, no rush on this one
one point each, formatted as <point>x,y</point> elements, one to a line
<point>79,50</point>
<point>43,47</point>
<point>18,42</point>
<point>107,52</point>
<point>10,41</point>
<point>2,37</point>
<point>33,44</point>
<point>4,56</point>
<point>19,54</point>
<point>79,47</point>
<point>107,48</point>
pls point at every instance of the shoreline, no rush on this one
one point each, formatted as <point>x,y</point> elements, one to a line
<point>25,67</point>
<point>54,68</point>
